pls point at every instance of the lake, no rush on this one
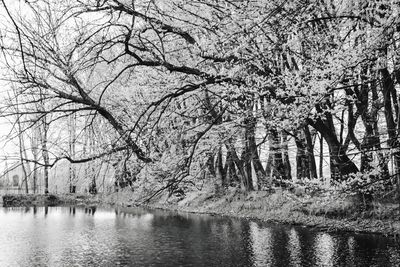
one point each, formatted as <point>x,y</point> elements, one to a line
<point>78,236</point>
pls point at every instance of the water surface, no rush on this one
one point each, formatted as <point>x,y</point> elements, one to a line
<point>77,236</point>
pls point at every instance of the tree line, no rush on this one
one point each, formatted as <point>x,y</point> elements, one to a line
<point>211,88</point>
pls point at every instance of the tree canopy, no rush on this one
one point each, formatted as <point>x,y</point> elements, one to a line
<point>237,90</point>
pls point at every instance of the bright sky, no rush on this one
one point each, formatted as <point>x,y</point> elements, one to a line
<point>7,147</point>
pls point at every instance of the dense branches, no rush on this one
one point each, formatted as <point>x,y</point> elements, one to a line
<point>230,85</point>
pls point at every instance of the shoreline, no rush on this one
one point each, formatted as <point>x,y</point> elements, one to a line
<point>360,226</point>
<point>277,208</point>
<point>330,214</point>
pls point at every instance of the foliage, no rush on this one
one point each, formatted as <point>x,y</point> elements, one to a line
<point>198,89</point>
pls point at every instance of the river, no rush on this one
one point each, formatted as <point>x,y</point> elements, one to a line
<point>78,236</point>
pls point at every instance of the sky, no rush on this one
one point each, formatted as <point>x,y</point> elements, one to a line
<point>8,147</point>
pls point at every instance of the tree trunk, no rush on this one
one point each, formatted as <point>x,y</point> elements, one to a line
<point>302,164</point>
<point>45,153</point>
<point>286,161</point>
<point>253,152</point>
<point>374,114</point>
<point>244,179</point>
<point>230,170</point>
<point>310,153</point>
<point>210,164</point>
<point>387,90</point>
<point>35,153</point>
<point>340,163</point>
<point>219,168</point>
<point>72,141</point>
<point>246,159</point>
<point>269,167</point>
<point>93,184</point>
<point>278,167</point>
<point>321,157</point>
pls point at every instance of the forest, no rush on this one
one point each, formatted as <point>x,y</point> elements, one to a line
<point>176,94</point>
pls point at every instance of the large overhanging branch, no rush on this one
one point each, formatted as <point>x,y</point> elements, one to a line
<point>81,160</point>
<point>105,113</point>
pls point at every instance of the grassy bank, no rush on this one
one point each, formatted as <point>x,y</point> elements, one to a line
<point>328,212</point>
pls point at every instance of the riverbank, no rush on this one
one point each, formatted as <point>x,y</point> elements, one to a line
<point>22,200</point>
<point>328,213</point>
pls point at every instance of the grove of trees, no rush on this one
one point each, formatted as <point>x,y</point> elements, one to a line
<point>248,93</point>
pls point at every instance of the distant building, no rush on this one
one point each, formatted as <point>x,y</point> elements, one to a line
<point>12,180</point>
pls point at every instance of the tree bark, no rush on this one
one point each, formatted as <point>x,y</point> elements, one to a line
<point>278,168</point>
<point>219,168</point>
<point>45,154</point>
<point>388,90</point>
<point>244,179</point>
<point>35,153</point>
<point>286,161</point>
<point>230,170</point>
<point>341,165</point>
<point>310,153</point>
<point>210,164</point>
<point>302,164</point>
<point>253,151</point>
<point>72,141</point>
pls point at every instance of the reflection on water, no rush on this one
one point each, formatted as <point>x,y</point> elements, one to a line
<point>91,236</point>
<point>324,248</point>
<point>261,244</point>
<point>294,247</point>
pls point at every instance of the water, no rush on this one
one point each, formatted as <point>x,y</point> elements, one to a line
<point>75,236</point>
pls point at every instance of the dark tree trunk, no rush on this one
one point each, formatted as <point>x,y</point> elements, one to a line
<point>226,168</point>
<point>276,158</point>
<point>210,164</point>
<point>247,167</point>
<point>219,168</point>
<point>302,164</point>
<point>310,153</point>
<point>374,114</point>
<point>286,161</point>
<point>72,148</point>
<point>230,170</point>
<point>341,165</point>
<point>244,181</point>
<point>253,152</point>
<point>388,90</point>
<point>245,160</point>
<point>321,157</point>
<point>277,162</point>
